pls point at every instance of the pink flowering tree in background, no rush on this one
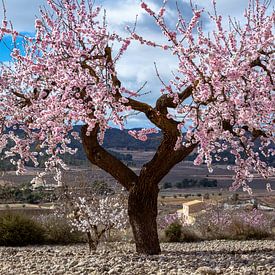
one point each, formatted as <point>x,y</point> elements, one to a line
<point>222,94</point>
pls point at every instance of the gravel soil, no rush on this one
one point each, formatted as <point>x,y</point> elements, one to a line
<point>211,257</point>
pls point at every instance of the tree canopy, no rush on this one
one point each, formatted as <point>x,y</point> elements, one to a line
<point>67,74</point>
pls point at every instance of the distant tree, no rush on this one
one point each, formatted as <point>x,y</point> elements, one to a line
<point>208,183</point>
<point>93,214</point>
<point>98,216</point>
<point>186,183</point>
<point>255,203</point>
<point>221,93</point>
<point>167,185</point>
<point>179,185</point>
<point>206,196</point>
<point>235,197</point>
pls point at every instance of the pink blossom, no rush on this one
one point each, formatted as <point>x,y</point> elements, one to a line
<point>222,88</point>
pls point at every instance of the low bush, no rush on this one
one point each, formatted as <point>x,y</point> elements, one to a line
<point>177,232</point>
<point>20,230</point>
<point>58,230</point>
<point>173,232</point>
<point>188,234</point>
<point>206,196</point>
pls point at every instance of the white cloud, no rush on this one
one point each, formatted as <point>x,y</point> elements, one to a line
<point>224,7</point>
<point>22,13</point>
<point>122,12</point>
<point>232,8</point>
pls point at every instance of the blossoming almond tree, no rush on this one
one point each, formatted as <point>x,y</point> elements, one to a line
<point>92,211</point>
<point>97,216</point>
<point>223,92</point>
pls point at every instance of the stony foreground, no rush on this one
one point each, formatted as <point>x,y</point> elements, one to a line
<point>214,257</point>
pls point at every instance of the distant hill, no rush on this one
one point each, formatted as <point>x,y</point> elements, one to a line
<point>117,139</point>
<point>120,139</point>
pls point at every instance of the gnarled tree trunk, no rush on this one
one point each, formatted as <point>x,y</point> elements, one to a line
<point>142,210</point>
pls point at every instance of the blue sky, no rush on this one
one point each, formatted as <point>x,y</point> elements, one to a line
<point>5,52</point>
<point>137,66</point>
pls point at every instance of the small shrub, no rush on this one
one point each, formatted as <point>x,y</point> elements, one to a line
<point>188,234</point>
<point>167,185</point>
<point>19,230</point>
<point>234,197</point>
<point>58,230</point>
<point>175,196</point>
<point>206,196</point>
<point>173,232</point>
<point>174,229</point>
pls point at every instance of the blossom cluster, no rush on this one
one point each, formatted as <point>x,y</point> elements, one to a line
<point>231,73</point>
<point>64,76</point>
<point>107,212</point>
<point>143,133</point>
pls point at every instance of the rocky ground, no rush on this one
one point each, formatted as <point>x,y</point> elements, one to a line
<point>213,257</point>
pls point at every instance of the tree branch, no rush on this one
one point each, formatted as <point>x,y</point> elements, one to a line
<point>165,101</point>
<point>258,63</point>
<point>164,160</point>
<point>255,132</point>
<point>103,159</point>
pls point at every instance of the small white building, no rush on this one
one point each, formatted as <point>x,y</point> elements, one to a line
<point>190,209</point>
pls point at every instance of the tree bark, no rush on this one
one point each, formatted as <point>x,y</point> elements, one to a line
<point>142,210</point>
